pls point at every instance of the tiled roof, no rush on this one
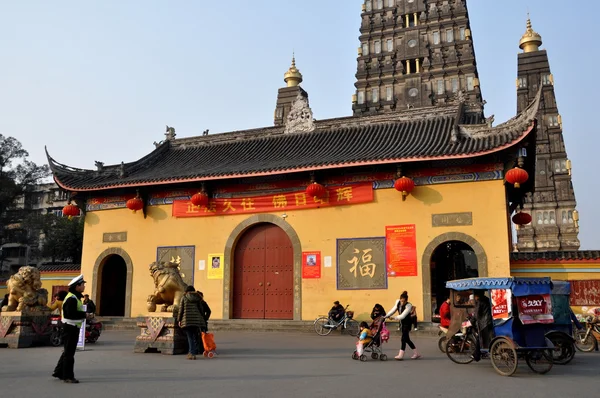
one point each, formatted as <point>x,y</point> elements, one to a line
<point>556,255</point>
<point>407,136</point>
<point>59,267</point>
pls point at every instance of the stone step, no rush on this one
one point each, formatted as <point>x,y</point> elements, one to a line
<point>253,325</point>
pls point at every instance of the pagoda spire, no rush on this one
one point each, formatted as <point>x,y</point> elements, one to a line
<point>531,40</point>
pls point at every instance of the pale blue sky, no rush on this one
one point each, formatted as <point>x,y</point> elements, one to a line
<point>99,80</point>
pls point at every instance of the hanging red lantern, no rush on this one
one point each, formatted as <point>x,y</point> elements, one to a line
<point>70,210</point>
<point>316,190</point>
<point>200,199</point>
<point>135,204</point>
<point>522,218</point>
<point>404,185</point>
<point>516,176</point>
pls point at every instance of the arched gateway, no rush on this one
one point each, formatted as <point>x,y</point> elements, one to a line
<point>111,283</point>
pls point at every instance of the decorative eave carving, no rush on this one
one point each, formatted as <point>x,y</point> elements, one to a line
<point>300,119</point>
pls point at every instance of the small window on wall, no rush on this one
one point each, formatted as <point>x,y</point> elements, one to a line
<point>449,35</point>
<point>440,87</point>
<point>552,217</point>
<point>368,5</point>
<point>389,93</point>
<point>361,97</point>
<point>391,3</point>
<point>470,83</point>
<point>365,49</point>
<point>436,37</point>
<point>377,47</point>
<point>379,4</point>
<point>461,34</point>
<point>455,84</point>
<point>375,95</point>
<point>540,218</point>
<point>522,82</point>
<point>570,217</point>
<point>553,121</point>
<point>390,45</point>
<point>546,79</point>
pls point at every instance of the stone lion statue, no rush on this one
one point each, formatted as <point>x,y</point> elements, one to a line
<point>169,286</point>
<point>25,291</point>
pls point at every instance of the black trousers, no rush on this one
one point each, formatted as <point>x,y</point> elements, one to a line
<point>65,367</point>
<point>406,338</point>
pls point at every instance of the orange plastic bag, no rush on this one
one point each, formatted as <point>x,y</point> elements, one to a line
<point>208,340</point>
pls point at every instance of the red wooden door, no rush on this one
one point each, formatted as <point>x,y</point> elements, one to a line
<point>263,274</point>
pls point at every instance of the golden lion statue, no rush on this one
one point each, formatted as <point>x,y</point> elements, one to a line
<point>25,291</point>
<point>169,286</point>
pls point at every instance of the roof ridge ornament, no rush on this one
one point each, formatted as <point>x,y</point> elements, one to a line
<point>300,119</point>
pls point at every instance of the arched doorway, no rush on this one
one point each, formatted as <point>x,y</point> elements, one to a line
<point>451,260</point>
<point>113,280</point>
<point>263,274</point>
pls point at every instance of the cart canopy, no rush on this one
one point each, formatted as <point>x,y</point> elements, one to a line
<point>519,286</point>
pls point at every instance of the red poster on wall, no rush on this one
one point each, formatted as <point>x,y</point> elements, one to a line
<point>401,250</point>
<point>536,308</point>
<point>501,305</point>
<point>311,265</point>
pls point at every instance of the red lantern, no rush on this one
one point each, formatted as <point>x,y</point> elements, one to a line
<point>521,218</point>
<point>316,190</point>
<point>200,199</point>
<point>70,210</point>
<point>404,185</point>
<point>516,176</point>
<point>135,204</point>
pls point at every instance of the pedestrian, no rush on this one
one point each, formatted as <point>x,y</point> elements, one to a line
<point>377,311</point>
<point>90,306</point>
<point>4,301</point>
<point>59,298</point>
<point>445,313</point>
<point>190,319</point>
<point>403,307</point>
<point>484,321</point>
<point>72,319</point>
<point>365,337</point>
<point>206,313</point>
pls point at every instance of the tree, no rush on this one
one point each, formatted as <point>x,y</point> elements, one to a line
<point>61,237</point>
<point>17,177</point>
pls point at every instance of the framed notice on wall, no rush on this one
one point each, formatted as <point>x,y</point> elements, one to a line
<point>311,265</point>
<point>215,266</point>
<point>401,250</point>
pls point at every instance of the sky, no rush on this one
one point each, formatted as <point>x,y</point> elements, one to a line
<point>99,80</point>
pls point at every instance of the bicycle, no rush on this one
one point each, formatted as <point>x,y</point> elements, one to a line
<point>585,338</point>
<point>324,325</point>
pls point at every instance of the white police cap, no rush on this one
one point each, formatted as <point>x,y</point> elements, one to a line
<point>77,280</point>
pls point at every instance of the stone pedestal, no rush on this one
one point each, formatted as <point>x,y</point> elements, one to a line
<point>25,329</point>
<point>159,333</point>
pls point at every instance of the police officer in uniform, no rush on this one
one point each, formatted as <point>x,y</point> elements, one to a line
<point>73,315</point>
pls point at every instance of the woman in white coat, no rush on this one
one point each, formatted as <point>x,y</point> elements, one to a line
<point>403,307</point>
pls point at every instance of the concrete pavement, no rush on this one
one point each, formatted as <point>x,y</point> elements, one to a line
<point>280,365</point>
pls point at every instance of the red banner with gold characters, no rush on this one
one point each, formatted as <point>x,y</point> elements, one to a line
<point>311,265</point>
<point>335,196</point>
<point>401,250</point>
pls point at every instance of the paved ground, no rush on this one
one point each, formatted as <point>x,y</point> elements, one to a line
<point>280,365</point>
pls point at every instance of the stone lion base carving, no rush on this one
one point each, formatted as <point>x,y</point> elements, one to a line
<point>25,329</point>
<point>159,333</point>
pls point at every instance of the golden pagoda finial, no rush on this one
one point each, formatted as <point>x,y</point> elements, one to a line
<point>531,41</point>
<point>293,77</point>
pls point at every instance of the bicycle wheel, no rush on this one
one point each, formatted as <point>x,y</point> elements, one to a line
<point>584,343</point>
<point>504,357</point>
<point>442,343</point>
<point>540,361</point>
<point>320,326</point>
<point>352,327</point>
<point>564,349</point>
<point>460,350</point>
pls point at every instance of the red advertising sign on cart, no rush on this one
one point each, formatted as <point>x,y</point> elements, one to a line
<point>536,308</point>
<point>501,303</point>
<point>311,265</point>
<point>401,250</point>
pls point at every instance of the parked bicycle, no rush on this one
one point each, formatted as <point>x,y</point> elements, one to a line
<point>585,338</point>
<point>324,325</point>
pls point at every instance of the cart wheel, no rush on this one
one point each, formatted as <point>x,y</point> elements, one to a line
<point>56,338</point>
<point>355,356</point>
<point>375,355</point>
<point>585,343</point>
<point>504,357</point>
<point>383,357</point>
<point>564,349</point>
<point>460,349</point>
<point>442,343</point>
<point>320,326</point>
<point>540,361</point>
<point>211,354</point>
<point>363,358</point>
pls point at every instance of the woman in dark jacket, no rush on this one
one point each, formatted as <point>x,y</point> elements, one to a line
<point>377,311</point>
<point>190,319</point>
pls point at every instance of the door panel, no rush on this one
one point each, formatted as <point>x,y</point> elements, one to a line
<point>279,295</point>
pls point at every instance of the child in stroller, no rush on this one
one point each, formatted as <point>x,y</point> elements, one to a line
<point>370,340</point>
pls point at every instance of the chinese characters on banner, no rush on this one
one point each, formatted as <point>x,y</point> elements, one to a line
<point>215,266</point>
<point>501,303</point>
<point>535,309</point>
<point>311,265</point>
<point>361,264</point>
<point>335,196</point>
<point>401,250</point>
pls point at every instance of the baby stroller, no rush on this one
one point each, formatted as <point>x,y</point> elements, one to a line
<point>380,336</point>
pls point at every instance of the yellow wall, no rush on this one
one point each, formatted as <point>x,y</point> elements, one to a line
<point>318,230</point>
<point>50,279</point>
<point>3,291</point>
